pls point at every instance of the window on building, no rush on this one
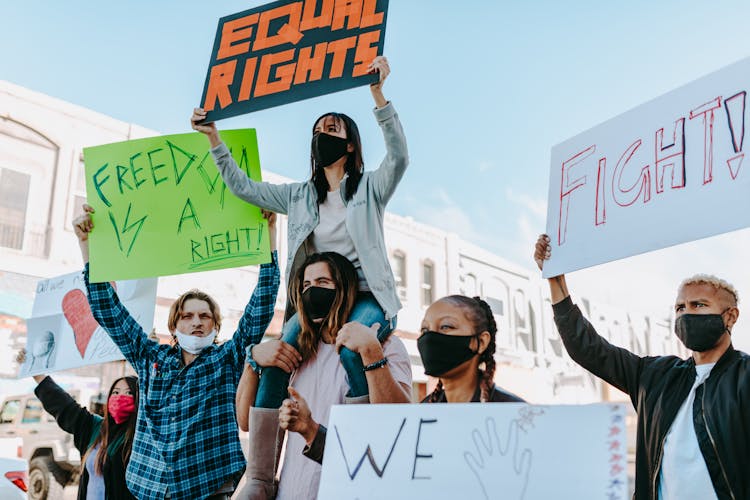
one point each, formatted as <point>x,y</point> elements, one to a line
<point>522,314</point>
<point>470,287</point>
<point>399,273</point>
<point>428,283</point>
<point>497,296</point>
<point>77,193</point>
<point>14,196</point>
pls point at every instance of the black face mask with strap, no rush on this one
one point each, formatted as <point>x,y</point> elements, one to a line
<point>326,148</point>
<point>700,332</point>
<point>317,301</point>
<point>441,353</point>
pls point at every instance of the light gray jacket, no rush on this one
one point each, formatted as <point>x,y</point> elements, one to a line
<point>364,212</point>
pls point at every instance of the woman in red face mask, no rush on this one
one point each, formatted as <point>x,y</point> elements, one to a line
<point>103,442</point>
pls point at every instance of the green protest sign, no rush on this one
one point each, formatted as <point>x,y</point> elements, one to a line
<point>162,208</point>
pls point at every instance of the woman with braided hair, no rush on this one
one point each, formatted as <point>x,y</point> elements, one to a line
<point>458,336</point>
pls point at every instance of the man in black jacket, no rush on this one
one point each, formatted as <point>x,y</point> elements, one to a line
<point>693,439</point>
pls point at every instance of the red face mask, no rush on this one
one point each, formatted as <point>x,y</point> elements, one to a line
<point>121,406</point>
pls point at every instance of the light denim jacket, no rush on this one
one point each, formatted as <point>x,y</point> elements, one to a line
<point>364,212</point>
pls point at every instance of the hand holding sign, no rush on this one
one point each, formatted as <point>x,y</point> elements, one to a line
<point>82,226</point>
<point>379,65</point>
<point>542,250</point>
<point>542,253</point>
<point>491,457</point>
<point>209,128</point>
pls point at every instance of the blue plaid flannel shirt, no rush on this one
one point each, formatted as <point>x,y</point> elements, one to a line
<point>186,439</point>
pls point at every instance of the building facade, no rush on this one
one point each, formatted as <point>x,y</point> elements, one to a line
<point>42,187</point>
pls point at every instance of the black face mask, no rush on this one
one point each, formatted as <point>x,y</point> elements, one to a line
<point>441,353</point>
<point>700,332</point>
<point>326,149</point>
<point>318,301</point>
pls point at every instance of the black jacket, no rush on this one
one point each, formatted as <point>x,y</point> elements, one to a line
<point>657,386</point>
<point>83,425</point>
<point>496,396</point>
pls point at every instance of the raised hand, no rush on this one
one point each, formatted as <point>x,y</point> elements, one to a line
<point>379,64</point>
<point>271,218</point>
<point>542,250</point>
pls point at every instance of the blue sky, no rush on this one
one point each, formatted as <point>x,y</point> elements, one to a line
<point>483,93</point>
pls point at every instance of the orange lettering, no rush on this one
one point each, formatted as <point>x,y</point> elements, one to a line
<point>247,79</point>
<point>263,40</point>
<point>284,74</point>
<point>339,48</point>
<point>310,20</point>
<point>343,9</point>
<point>234,31</point>
<point>310,67</point>
<point>369,16</point>
<point>222,76</point>
<point>365,52</point>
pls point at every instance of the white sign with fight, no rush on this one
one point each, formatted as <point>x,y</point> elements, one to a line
<point>475,451</point>
<point>62,333</point>
<point>667,172</point>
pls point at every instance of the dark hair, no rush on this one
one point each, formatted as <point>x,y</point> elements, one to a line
<point>347,285</point>
<point>354,162</point>
<point>480,315</point>
<point>110,431</point>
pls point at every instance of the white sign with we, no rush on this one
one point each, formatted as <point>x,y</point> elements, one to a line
<point>511,451</point>
<point>669,171</point>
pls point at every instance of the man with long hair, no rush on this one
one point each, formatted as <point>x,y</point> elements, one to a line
<point>323,292</point>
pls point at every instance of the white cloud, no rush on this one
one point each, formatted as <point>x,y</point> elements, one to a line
<point>485,166</point>
<point>536,206</point>
<point>440,210</point>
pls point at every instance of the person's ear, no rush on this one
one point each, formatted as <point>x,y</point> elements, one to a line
<point>731,315</point>
<point>484,341</point>
<point>349,147</point>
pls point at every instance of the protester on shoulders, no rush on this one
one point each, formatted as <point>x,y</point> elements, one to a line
<point>339,209</point>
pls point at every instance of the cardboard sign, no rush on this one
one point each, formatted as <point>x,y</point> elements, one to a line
<point>666,172</point>
<point>487,451</point>
<point>287,51</point>
<point>62,333</point>
<point>162,208</point>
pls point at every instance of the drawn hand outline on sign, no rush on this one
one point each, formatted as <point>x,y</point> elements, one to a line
<point>491,457</point>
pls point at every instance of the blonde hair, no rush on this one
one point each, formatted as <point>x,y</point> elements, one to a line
<point>710,279</point>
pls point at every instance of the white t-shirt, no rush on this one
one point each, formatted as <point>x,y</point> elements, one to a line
<point>684,474</point>
<point>322,381</point>
<point>331,234</point>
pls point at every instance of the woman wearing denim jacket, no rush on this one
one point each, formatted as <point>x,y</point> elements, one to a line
<point>340,208</point>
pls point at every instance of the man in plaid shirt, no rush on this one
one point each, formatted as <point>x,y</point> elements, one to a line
<point>186,443</point>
